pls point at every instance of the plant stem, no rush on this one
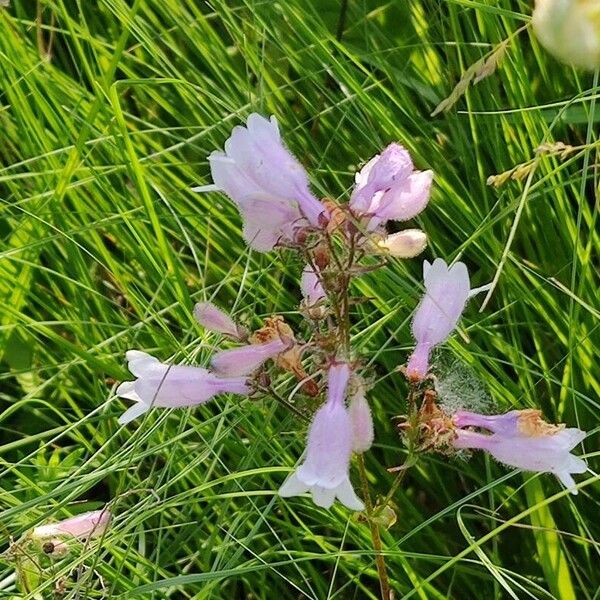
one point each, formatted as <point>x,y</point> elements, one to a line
<point>384,583</point>
<point>393,488</point>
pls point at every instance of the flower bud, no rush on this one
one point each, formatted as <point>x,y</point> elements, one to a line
<point>362,422</point>
<point>214,319</point>
<point>570,30</point>
<point>404,244</point>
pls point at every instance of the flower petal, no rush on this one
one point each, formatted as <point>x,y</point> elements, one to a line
<point>140,363</point>
<point>323,497</point>
<point>407,199</point>
<point>347,496</point>
<point>127,390</point>
<point>133,412</point>
<point>292,487</point>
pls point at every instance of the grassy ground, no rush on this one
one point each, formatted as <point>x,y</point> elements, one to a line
<point>108,110</point>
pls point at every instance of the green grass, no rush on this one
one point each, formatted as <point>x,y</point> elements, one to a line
<point>108,110</point>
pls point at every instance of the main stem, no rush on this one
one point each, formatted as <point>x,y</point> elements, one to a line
<point>342,313</point>
<point>384,583</point>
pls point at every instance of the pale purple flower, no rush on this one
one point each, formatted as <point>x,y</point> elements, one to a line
<point>388,188</point>
<point>447,290</point>
<point>266,182</point>
<point>214,319</point>
<point>311,287</point>
<point>245,359</point>
<point>521,439</point>
<point>171,386</point>
<point>506,424</point>
<point>325,470</point>
<point>362,422</point>
<point>86,525</point>
<point>404,244</point>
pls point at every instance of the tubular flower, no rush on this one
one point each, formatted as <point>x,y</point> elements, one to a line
<point>214,319</point>
<point>171,386</point>
<point>522,439</point>
<point>325,470</point>
<point>570,30</point>
<point>266,182</point>
<point>447,290</point>
<point>86,525</point>
<point>245,359</point>
<point>388,188</point>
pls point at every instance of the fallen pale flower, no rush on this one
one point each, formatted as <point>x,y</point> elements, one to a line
<point>570,30</point>
<point>86,525</point>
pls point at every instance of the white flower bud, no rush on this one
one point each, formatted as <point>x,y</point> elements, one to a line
<point>570,30</point>
<point>404,244</point>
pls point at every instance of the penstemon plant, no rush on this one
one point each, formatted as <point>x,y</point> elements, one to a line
<point>337,243</point>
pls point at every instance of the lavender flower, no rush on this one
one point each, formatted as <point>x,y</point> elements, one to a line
<point>447,290</point>
<point>214,319</point>
<point>522,439</point>
<point>325,471</point>
<point>86,525</point>
<point>171,386</point>
<point>388,188</point>
<point>266,182</point>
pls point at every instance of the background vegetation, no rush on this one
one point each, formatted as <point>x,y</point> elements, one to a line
<point>108,110</point>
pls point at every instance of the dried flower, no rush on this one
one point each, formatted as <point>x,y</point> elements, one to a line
<point>570,30</point>
<point>325,471</point>
<point>214,319</point>
<point>522,439</point>
<point>171,386</point>
<point>388,188</point>
<point>266,182</point>
<point>447,290</point>
<point>404,244</point>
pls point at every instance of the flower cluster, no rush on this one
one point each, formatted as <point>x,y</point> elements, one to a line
<point>337,242</point>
